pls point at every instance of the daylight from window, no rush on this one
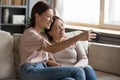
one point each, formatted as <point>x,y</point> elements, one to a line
<point>84,11</point>
<point>104,13</point>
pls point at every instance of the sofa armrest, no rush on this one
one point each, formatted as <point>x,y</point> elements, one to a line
<point>105,57</point>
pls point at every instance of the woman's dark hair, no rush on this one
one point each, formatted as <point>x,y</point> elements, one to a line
<point>48,30</point>
<point>40,7</point>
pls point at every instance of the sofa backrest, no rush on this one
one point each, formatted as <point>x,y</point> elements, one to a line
<point>83,43</point>
<point>6,56</point>
<point>105,57</point>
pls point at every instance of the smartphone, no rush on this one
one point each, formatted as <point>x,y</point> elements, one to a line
<point>97,37</point>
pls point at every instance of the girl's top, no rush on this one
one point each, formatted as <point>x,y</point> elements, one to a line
<point>30,48</point>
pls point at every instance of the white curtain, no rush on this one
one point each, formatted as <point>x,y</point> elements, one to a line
<point>58,7</point>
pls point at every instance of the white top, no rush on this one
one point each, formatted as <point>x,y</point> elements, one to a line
<point>74,55</point>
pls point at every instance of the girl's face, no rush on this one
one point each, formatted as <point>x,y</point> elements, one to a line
<point>57,30</point>
<point>44,20</point>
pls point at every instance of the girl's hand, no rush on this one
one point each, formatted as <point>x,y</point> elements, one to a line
<point>87,35</point>
<point>92,35</point>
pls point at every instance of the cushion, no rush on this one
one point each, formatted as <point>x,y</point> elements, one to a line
<point>16,38</point>
<point>105,57</point>
<point>83,43</point>
<point>6,56</point>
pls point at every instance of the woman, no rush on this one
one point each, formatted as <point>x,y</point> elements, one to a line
<point>73,55</point>
<point>35,50</point>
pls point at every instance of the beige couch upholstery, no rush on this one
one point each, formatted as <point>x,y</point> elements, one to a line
<point>104,58</point>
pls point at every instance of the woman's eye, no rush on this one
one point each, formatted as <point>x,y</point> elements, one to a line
<point>56,28</point>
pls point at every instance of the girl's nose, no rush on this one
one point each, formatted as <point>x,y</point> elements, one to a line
<point>51,19</point>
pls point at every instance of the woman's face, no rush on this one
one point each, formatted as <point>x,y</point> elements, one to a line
<point>57,30</point>
<point>44,20</point>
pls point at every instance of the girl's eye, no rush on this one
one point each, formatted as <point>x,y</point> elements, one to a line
<point>48,16</point>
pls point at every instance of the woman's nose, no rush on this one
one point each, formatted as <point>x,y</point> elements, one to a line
<point>61,28</point>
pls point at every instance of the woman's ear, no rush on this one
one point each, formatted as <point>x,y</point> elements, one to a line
<point>50,33</point>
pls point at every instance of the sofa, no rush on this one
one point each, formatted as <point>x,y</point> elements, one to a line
<point>104,58</point>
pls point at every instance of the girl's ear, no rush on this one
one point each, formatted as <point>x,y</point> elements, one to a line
<point>37,15</point>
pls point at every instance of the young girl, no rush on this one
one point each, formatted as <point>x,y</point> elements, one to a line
<point>35,49</point>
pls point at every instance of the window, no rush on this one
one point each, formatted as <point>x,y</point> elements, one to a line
<point>84,11</point>
<point>92,13</point>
